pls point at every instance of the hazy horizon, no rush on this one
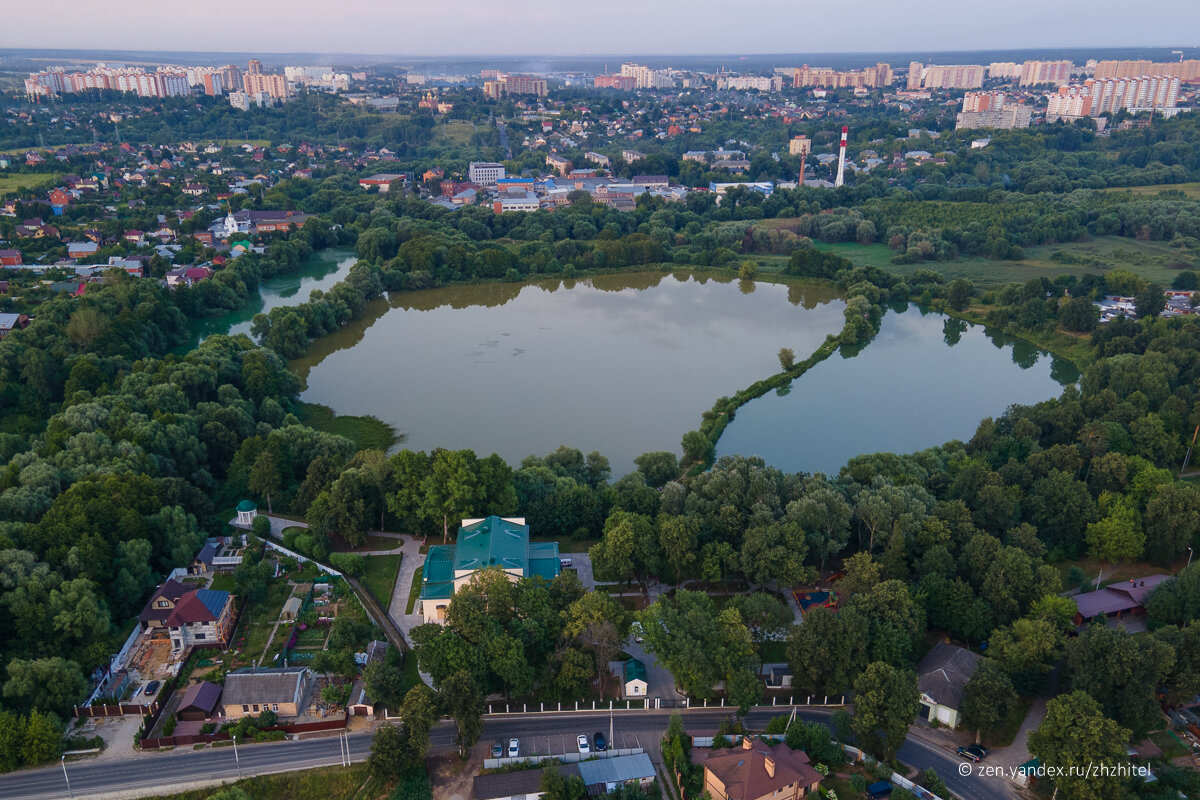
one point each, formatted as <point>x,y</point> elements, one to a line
<point>476,28</point>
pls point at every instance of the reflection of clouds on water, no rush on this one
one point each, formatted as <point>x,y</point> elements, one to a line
<point>506,333</point>
<point>517,351</point>
<point>474,353</point>
<point>490,343</point>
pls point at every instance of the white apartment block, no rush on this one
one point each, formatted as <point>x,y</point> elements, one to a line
<point>485,173</point>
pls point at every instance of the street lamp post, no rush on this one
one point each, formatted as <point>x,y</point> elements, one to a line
<point>236,758</point>
<point>1189,563</point>
<point>63,761</point>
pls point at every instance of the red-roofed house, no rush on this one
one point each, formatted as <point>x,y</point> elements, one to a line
<point>190,617</point>
<point>1116,600</point>
<point>758,771</point>
<point>134,236</point>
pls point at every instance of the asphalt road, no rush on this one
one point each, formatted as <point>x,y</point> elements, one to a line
<point>538,733</point>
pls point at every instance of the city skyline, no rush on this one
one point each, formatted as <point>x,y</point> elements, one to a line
<point>672,27</point>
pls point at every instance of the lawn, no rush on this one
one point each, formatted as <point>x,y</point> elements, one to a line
<point>1189,189</point>
<point>324,783</point>
<point>457,131</point>
<point>1154,261</point>
<point>367,432</point>
<point>380,576</point>
<point>414,591</point>
<point>18,182</point>
<point>1007,730</point>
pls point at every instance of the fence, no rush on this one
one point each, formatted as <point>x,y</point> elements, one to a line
<point>896,778</point>
<point>121,710</point>
<point>206,738</point>
<point>566,758</point>
<point>116,663</point>
<point>654,703</point>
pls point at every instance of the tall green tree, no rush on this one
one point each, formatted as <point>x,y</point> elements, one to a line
<point>988,697</point>
<point>1074,736</point>
<point>885,704</point>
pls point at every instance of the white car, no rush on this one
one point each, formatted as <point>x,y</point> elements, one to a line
<point>584,747</point>
<point>565,563</point>
<point>514,748</point>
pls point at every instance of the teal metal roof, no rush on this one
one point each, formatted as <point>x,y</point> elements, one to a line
<point>492,542</point>
<point>247,505</point>
<point>635,670</point>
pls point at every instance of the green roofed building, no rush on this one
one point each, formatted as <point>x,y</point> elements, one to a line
<point>493,542</point>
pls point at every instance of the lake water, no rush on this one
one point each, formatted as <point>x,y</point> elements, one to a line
<point>323,270</point>
<point>924,380</point>
<point>621,364</point>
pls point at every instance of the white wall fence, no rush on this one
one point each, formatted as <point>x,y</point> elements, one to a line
<point>116,663</point>
<point>566,758</point>
<point>302,559</point>
<point>656,703</point>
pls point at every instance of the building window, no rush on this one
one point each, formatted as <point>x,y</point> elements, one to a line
<point>199,635</point>
<point>245,709</point>
<point>256,708</point>
<point>274,706</point>
<point>163,604</point>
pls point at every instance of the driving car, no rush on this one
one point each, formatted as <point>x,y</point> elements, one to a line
<point>497,749</point>
<point>974,752</point>
<point>600,743</point>
<point>514,748</point>
<point>582,741</point>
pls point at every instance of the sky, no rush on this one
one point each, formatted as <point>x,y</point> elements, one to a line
<point>572,27</point>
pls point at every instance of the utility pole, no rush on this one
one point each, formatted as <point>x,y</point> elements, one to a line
<point>235,758</point>
<point>63,761</point>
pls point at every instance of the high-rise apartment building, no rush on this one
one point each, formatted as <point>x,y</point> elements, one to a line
<point>646,78</point>
<point>255,83</point>
<point>1186,71</point>
<point>1095,97</point>
<point>1004,69</point>
<point>984,101</point>
<point>1005,117</point>
<point>871,77</point>
<point>916,74</point>
<point>952,76</point>
<point>1056,72</point>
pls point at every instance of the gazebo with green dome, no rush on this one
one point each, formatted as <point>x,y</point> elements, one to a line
<point>247,510</point>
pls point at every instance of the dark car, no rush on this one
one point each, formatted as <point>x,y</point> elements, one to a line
<point>599,742</point>
<point>152,687</point>
<point>974,752</point>
<point>877,791</point>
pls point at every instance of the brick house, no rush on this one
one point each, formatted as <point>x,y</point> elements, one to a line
<point>758,771</point>
<point>249,693</point>
<point>189,617</point>
<point>10,258</point>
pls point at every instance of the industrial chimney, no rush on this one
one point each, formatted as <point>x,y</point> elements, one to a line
<point>841,173</point>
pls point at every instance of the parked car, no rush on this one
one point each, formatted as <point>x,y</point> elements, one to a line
<point>974,752</point>
<point>497,749</point>
<point>514,748</point>
<point>600,743</point>
<point>152,687</point>
<point>565,562</point>
<point>582,741</point>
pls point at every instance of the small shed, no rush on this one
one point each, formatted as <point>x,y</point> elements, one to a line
<point>360,704</point>
<point>198,701</point>
<point>635,678</point>
<point>291,609</point>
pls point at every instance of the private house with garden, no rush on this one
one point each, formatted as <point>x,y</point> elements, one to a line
<point>250,692</point>
<point>758,771</point>
<point>942,676</point>
<point>188,616</point>
<point>492,542</point>
<point>1116,600</point>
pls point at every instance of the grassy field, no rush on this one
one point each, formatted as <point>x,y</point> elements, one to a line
<point>11,184</point>
<point>457,131</point>
<point>1154,261</point>
<point>380,576</point>
<point>222,582</point>
<point>1189,189</point>
<point>368,433</point>
<point>414,590</point>
<point>325,783</point>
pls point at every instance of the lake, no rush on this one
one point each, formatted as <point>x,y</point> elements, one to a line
<point>322,270</point>
<point>622,364</point>
<point>924,380</point>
